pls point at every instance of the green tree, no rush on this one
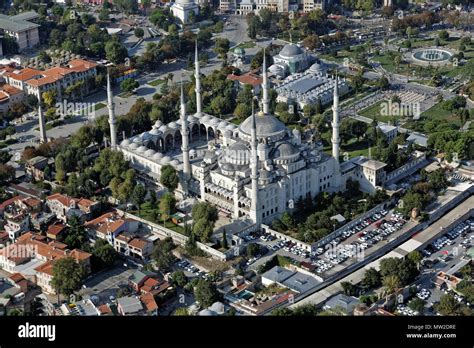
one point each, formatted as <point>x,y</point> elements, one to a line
<point>104,253</point>
<point>417,304</point>
<point>391,283</point>
<point>138,32</point>
<point>115,52</point>
<point>167,206</point>
<point>252,250</point>
<point>169,177</point>
<point>68,276</point>
<point>129,85</point>
<point>447,305</point>
<point>205,293</point>
<point>138,196</point>
<point>224,239</point>
<point>371,278</point>
<point>179,278</point>
<point>162,254</point>
<point>76,235</point>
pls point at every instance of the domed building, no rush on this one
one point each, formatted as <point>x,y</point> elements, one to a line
<point>291,59</point>
<point>183,8</point>
<point>255,171</point>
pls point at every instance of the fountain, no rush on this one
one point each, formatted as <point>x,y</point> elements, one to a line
<point>432,55</point>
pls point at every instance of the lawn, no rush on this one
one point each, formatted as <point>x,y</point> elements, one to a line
<point>375,110</point>
<point>151,214</point>
<point>156,82</point>
<point>99,106</point>
<point>437,112</point>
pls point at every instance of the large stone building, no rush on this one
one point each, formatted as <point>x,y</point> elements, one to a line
<point>182,9</point>
<point>253,171</point>
<point>22,28</point>
<point>290,60</point>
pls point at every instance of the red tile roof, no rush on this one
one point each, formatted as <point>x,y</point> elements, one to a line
<point>248,79</point>
<point>149,302</point>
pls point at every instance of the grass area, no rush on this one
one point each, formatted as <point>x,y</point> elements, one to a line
<point>151,214</point>
<point>52,125</point>
<point>375,111</point>
<point>355,148</point>
<point>156,82</point>
<point>236,121</point>
<point>125,94</point>
<point>99,106</point>
<point>246,44</point>
<point>437,113</point>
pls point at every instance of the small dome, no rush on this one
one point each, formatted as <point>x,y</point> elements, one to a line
<point>227,134</point>
<point>205,118</point>
<point>145,135</point>
<point>137,140</point>
<point>222,125</point>
<point>149,152</point>
<point>125,142</point>
<point>133,146</point>
<point>166,160</point>
<point>173,125</point>
<point>227,167</point>
<point>142,149</point>
<point>158,156</point>
<point>231,127</point>
<point>163,128</point>
<point>192,119</point>
<point>174,163</point>
<point>238,153</point>
<point>316,67</point>
<point>214,121</point>
<point>158,124</point>
<point>155,131</point>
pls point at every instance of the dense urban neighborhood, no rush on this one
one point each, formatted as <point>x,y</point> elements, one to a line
<point>237,158</point>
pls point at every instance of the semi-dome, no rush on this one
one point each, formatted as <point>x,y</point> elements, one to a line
<point>285,151</point>
<point>290,50</point>
<point>267,126</point>
<point>238,153</point>
<point>227,167</point>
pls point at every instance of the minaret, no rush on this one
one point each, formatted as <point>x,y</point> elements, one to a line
<point>112,121</point>
<point>198,83</point>
<point>265,101</point>
<point>185,139</point>
<point>254,211</point>
<point>42,125</point>
<point>335,122</point>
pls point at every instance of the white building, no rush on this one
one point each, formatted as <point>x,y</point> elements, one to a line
<point>290,60</point>
<point>182,9</point>
<point>310,5</point>
<point>310,86</point>
<point>22,28</point>
<point>253,171</point>
<point>390,132</point>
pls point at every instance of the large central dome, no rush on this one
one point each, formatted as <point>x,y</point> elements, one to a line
<point>290,50</point>
<point>267,126</point>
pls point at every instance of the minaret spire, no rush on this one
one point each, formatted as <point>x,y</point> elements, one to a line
<point>335,121</point>
<point>185,139</point>
<point>254,211</point>
<point>265,101</point>
<point>42,125</point>
<point>198,83</point>
<point>111,107</point>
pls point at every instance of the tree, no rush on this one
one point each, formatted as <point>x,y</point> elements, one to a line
<point>181,311</point>
<point>371,278</point>
<point>162,254</point>
<point>138,196</point>
<point>167,206</point>
<point>252,250</point>
<point>169,177</point>
<point>447,305</point>
<point>443,35</point>
<point>104,253</point>
<point>76,234</point>
<point>67,276</point>
<point>179,278</point>
<point>224,239</point>
<point>242,111</point>
<point>129,85</point>
<point>391,283</point>
<point>417,304</point>
<point>205,293</point>
<point>416,257</point>
<point>115,52</point>
<point>138,32</point>
<point>204,217</point>
<point>348,288</point>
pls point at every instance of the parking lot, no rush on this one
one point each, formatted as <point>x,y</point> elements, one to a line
<point>356,242</point>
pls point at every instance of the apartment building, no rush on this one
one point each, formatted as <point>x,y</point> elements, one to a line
<point>22,28</point>
<point>64,207</point>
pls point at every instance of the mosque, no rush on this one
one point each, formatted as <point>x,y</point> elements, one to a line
<point>183,8</point>
<point>254,171</point>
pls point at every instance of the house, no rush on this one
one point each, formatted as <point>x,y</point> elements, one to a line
<point>64,207</point>
<point>56,231</point>
<point>57,79</point>
<point>342,302</point>
<point>147,283</point>
<point>33,257</point>
<point>35,167</point>
<point>9,96</point>
<point>129,305</point>
<point>250,78</point>
<point>110,225</point>
<point>16,213</point>
<point>390,132</point>
<point>133,246</point>
<point>149,304</point>
<point>22,28</point>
